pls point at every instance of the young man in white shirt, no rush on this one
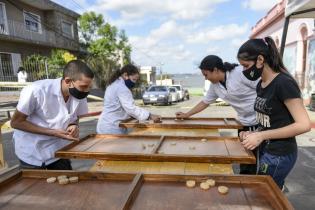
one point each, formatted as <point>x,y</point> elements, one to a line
<point>46,117</point>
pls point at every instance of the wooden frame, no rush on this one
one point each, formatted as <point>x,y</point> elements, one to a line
<point>245,192</point>
<point>153,154</point>
<point>227,123</point>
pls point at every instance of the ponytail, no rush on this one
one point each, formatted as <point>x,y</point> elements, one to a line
<point>229,66</point>
<point>275,61</point>
<point>212,61</point>
<point>129,69</point>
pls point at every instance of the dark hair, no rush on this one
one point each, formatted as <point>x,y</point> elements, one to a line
<point>266,47</point>
<point>21,68</point>
<point>75,68</point>
<point>129,69</point>
<point>212,61</point>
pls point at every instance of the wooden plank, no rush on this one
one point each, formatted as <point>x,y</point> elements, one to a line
<point>175,132</point>
<point>158,145</point>
<point>160,167</point>
<point>157,148</point>
<point>172,122</point>
<point>132,192</point>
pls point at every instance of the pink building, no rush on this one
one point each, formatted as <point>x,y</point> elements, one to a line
<point>299,53</point>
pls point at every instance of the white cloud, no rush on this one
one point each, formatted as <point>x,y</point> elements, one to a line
<point>259,5</point>
<point>137,9</point>
<point>213,50</point>
<point>237,42</point>
<point>218,33</point>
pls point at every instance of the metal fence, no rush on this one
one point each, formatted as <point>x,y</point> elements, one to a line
<point>11,79</point>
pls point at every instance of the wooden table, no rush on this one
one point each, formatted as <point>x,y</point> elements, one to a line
<point>189,123</point>
<point>171,127</point>
<point>159,149</point>
<point>29,190</point>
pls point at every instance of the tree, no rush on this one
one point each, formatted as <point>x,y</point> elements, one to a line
<point>104,43</point>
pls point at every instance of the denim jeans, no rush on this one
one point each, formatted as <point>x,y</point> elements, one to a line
<point>278,167</point>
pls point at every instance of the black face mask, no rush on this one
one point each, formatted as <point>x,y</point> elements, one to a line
<point>77,93</point>
<point>130,84</point>
<point>253,73</point>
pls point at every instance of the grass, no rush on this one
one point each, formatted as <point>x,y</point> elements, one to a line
<point>195,91</point>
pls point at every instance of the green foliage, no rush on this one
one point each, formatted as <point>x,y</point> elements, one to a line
<point>104,43</point>
<point>103,68</point>
<point>35,65</point>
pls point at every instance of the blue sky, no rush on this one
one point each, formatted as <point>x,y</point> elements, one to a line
<point>178,34</point>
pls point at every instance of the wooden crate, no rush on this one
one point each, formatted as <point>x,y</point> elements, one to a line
<point>172,122</point>
<point>159,148</point>
<point>29,190</point>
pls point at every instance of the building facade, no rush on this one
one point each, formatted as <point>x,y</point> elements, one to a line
<point>148,74</point>
<point>33,27</point>
<point>299,53</point>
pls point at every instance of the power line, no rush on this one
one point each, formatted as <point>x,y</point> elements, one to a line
<point>78,5</point>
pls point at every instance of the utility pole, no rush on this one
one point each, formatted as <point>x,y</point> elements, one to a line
<point>161,73</point>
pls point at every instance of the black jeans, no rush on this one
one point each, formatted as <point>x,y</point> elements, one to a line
<point>249,168</point>
<point>61,164</point>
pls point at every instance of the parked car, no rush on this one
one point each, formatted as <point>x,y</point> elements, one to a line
<point>180,91</point>
<point>174,94</point>
<point>157,94</point>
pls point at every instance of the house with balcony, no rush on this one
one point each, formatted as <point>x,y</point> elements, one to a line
<point>34,27</point>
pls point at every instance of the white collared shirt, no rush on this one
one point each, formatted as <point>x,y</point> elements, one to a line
<point>44,105</point>
<point>118,105</point>
<point>240,93</point>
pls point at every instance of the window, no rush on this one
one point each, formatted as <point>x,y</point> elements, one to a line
<point>6,68</point>
<point>3,20</point>
<point>67,29</point>
<point>157,89</point>
<point>32,22</point>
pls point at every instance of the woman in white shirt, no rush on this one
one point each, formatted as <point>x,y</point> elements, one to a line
<point>231,85</point>
<point>119,104</point>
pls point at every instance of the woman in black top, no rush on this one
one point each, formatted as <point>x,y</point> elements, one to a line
<point>279,107</point>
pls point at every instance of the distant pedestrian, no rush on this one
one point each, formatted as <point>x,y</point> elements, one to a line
<point>22,75</point>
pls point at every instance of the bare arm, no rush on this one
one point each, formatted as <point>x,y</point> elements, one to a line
<point>196,109</point>
<point>20,122</point>
<point>301,125</point>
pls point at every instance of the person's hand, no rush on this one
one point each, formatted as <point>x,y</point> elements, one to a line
<point>243,135</point>
<point>155,118</point>
<point>73,130</point>
<point>63,135</point>
<point>252,140</point>
<point>181,115</point>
